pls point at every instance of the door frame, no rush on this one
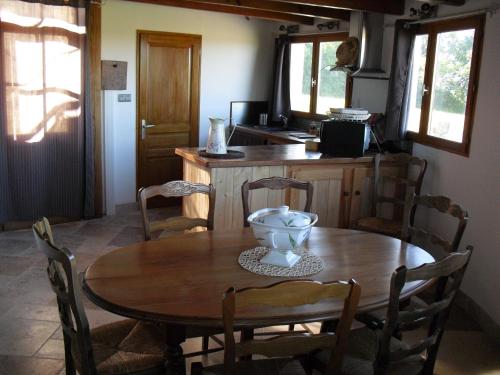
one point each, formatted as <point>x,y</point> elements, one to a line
<point>195,102</point>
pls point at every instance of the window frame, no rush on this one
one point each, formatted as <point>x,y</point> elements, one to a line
<point>432,29</point>
<point>316,39</point>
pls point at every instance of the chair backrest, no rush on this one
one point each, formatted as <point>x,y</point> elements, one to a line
<point>432,242</point>
<point>274,183</point>
<point>410,184</point>
<point>179,223</point>
<point>290,294</point>
<point>63,278</point>
<point>449,273</point>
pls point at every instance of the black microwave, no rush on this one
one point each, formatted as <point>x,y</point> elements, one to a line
<point>344,138</point>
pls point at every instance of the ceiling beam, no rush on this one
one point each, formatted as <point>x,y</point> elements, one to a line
<point>396,7</point>
<point>249,12</point>
<point>276,6</point>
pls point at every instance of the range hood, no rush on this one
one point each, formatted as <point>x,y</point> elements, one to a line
<point>368,28</point>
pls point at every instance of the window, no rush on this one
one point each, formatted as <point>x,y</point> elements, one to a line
<point>313,88</point>
<point>443,82</point>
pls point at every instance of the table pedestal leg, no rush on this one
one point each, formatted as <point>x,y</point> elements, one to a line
<point>175,363</point>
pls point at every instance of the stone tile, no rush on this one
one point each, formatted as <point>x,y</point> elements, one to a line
<point>28,289</point>
<point>95,229</point>
<point>24,234</point>
<point>127,236</point>
<point>466,353</point>
<point>13,246</point>
<point>24,337</point>
<point>33,312</point>
<point>13,265</point>
<point>6,281</point>
<point>52,349</point>
<point>94,247</point>
<point>58,334</point>
<point>16,365</point>
<point>69,241</point>
<point>98,317</point>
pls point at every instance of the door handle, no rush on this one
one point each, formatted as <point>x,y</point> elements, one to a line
<point>145,126</point>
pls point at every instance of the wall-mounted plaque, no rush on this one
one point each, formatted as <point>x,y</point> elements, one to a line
<point>114,75</point>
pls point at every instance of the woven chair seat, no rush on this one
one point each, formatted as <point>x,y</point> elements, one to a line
<point>126,347</point>
<point>380,225</point>
<point>275,366</point>
<point>361,352</point>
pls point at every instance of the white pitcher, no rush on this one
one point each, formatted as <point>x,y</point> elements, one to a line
<point>217,136</point>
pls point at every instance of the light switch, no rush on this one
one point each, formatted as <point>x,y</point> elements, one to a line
<point>124,98</point>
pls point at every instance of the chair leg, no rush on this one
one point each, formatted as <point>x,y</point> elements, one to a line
<point>204,343</point>
<point>246,334</point>
<point>291,327</point>
<point>69,364</point>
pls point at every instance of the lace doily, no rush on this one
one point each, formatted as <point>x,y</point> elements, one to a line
<point>309,264</point>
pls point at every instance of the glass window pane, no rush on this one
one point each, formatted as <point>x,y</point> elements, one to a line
<point>331,85</point>
<point>417,82</point>
<point>300,76</point>
<point>450,84</point>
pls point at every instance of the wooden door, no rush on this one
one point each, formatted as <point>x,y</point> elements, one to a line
<point>168,105</point>
<point>329,197</point>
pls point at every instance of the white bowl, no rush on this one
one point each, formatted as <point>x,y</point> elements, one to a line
<point>281,230</point>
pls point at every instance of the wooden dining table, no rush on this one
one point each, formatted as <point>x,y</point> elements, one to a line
<point>180,280</point>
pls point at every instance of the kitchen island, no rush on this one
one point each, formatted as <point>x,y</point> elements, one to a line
<point>342,186</point>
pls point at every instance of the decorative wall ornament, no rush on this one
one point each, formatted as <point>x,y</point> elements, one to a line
<point>328,25</point>
<point>426,10</point>
<point>347,53</point>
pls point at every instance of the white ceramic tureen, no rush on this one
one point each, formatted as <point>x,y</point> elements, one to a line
<point>281,230</point>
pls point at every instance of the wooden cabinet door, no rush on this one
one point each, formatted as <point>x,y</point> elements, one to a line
<point>168,104</point>
<point>329,197</point>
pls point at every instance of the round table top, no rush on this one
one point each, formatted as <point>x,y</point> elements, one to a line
<point>181,279</point>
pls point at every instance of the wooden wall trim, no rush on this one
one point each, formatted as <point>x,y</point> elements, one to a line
<point>94,43</point>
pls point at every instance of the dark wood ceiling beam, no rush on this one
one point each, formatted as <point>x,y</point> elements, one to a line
<point>249,12</point>
<point>396,7</point>
<point>276,6</point>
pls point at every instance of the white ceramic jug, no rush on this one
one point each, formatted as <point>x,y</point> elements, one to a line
<point>216,137</point>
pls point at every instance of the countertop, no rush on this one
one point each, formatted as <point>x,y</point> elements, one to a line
<point>282,136</point>
<point>295,154</point>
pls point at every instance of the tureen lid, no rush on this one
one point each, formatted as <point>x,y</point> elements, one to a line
<point>283,217</point>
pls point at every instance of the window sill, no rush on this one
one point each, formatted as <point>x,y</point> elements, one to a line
<point>461,149</point>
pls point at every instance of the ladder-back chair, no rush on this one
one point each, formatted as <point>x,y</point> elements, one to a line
<point>274,183</point>
<point>178,223</point>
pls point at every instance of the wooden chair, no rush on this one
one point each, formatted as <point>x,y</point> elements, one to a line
<point>281,350</point>
<point>432,242</point>
<point>274,183</point>
<point>179,223</point>
<point>411,185</point>
<point>379,352</point>
<point>123,347</point>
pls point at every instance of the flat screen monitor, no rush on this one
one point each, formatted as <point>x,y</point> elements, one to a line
<point>247,112</point>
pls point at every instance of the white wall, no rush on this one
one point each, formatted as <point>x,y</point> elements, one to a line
<point>474,181</point>
<point>236,64</point>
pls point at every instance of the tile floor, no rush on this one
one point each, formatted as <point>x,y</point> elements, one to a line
<point>30,335</point>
